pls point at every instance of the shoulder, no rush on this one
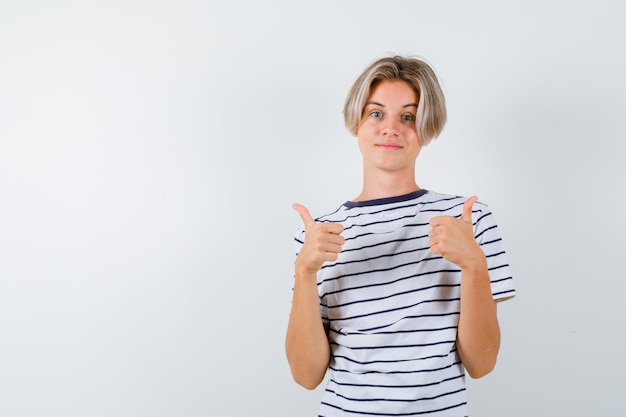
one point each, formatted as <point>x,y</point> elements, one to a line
<point>452,205</point>
<point>336,216</point>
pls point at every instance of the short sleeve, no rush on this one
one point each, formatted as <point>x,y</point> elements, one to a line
<point>488,237</point>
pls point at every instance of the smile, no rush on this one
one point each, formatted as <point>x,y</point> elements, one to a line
<point>389,146</point>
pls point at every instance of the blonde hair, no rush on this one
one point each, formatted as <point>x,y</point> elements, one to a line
<point>431,110</point>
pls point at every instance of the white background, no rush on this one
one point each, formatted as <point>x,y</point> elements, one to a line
<point>150,152</point>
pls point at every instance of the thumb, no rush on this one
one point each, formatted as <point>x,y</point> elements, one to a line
<point>467,209</point>
<point>304,214</point>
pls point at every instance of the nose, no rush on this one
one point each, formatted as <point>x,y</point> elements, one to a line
<point>391,126</point>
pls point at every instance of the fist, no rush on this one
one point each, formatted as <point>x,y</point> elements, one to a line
<point>454,238</point>
<point>322,242</point>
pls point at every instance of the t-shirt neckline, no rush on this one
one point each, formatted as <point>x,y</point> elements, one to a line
<point>386,200</point>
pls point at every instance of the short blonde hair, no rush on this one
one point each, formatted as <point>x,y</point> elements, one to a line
<point>431,110</point>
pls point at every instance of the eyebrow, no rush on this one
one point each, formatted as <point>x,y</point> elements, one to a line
<point>375,103</point>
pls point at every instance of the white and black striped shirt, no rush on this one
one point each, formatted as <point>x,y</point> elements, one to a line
<point>392,307</point>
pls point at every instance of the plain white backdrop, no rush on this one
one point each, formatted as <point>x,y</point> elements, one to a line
<point>150,152</point>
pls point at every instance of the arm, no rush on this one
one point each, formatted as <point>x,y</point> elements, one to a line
<point>306,344</point>
<point>478,336</point>
<point>308,351</point>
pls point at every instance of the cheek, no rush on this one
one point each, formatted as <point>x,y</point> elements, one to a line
<point>411,136</point>
<point>366,132</point>
<point>360,144</point>
<point>415,143</point>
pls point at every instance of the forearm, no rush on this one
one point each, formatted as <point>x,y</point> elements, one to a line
<point>308,351</point>
<point>478,338</point>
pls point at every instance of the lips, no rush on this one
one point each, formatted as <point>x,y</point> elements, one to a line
<point>389,146</point>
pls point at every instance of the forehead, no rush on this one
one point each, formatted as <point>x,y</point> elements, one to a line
<point>388,92</point>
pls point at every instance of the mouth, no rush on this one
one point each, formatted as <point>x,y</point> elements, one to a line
<point>388,146</point>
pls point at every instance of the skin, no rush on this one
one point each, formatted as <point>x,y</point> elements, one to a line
<point>388,141</point>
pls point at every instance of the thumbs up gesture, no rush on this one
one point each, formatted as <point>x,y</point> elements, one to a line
<point>454,238</point>
<point>322,242</point>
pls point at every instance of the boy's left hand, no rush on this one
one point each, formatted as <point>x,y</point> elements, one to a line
<point>454,238</point>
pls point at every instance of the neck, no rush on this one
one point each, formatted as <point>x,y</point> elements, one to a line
<point>382,184</point>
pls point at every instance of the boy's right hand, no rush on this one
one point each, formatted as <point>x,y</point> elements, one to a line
<point>322,242</point>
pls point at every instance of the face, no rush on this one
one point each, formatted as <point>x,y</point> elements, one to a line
<point>387,134</point>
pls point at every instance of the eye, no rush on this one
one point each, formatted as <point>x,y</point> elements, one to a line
<point>408,118</point>
<point>377,114</point>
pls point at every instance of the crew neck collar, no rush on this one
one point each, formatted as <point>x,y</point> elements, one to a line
<point>386,200</point>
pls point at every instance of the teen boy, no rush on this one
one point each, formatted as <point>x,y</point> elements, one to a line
<point>395,292</point>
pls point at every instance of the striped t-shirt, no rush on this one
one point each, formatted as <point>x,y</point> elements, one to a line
<point>392,307</point>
